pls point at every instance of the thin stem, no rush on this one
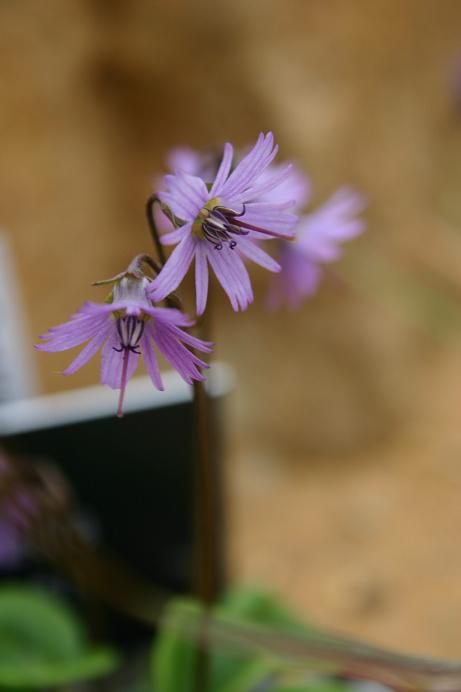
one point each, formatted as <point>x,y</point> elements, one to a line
<point>207,567</point>
<point>153,199</point>
<point>207,524</point>
<point>207,574</point>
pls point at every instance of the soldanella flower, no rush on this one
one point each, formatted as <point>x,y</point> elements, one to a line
<point>219,221</point>
<point>319,237</point>
<point>127,326</point>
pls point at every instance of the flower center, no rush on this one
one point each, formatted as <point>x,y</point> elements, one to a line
<point>219,224</point>
<point>130,330</point>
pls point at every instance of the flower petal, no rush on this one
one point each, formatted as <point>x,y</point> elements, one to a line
<point>175,319</point>
<point>250,167</point>
<point>150,358</point>
<point>271,217</point>
<point>223,170</point>
<point>112,362</point>
<point>89,351</point>
<point>170,315</point>
<point>201,278</point>
<point>232,275</point>
<point>174,269</point>
<point>320,234</point>
<point>71,334</point>
<point>193,341</point>
<point>185,195</point>
<point>298,279</point>
<point>265,184</point>
<point>296,186</point>
<point>176,235</point>
<point>176,354</point>
<point>251,250</point>
<point>82,325</point>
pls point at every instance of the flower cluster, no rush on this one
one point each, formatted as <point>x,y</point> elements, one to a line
<point>314,240</point>
<point>217,213</point>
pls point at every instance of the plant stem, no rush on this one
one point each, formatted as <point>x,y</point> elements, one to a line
<point>207,520</point>
<point>153,199</point>
<point>206,500</point>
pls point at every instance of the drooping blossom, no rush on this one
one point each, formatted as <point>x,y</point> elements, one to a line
<point>218,222</point>
<point>126,326</point>
<point>318,241</point>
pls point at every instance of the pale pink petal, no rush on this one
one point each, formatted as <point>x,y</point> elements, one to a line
<point>177,235</point>
<point>298,279</point>
<point>112,362</point>
<point>321,234</point>
<point>223,170</point>
<point>150,358</point>
<point>296,186</point>
<point>264,186</point>
<point>185,195</point>
<point>177,355</point>
<point>232,275</point>
<point>175,319</point>
<point>170,315</point>
<point>250,167</point>
<point>90,350</point>
<point>193,341</point>
<point>186,160</point>
<point>72,333</point>
<point>273,218</point>
<point>174,269</point>
<point>257,255</point>
<point>201,278</point>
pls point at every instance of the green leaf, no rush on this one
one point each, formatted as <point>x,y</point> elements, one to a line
<point>174,657</point>
<point>317,685</point>
<point>42,642</point>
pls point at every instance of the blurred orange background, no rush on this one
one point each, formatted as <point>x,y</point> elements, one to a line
<point>344,430</point>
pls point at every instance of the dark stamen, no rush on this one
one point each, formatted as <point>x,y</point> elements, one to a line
<point>221,225</point>
<point>130,330</point>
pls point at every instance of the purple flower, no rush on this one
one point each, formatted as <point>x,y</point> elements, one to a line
<point>318,241</point>
<point>126,326</point>
<point>202,163</point>
<point>218,223</point>
<point>295,186</point>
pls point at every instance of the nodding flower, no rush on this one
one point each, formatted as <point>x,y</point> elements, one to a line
<point>125,327</point>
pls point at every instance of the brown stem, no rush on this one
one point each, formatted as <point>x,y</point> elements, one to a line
<point>208,515</point>
<point>153,199</point>
<point>207,524</point>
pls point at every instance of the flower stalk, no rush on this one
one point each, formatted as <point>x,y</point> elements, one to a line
<point>207,565</point>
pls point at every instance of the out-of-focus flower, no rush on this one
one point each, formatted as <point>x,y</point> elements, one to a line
<point>318,241</point>
<point>202,163</point>
<point>219,222</point>
<point>125,327</point>
<point>33,497</point>
<point>295,186</point>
